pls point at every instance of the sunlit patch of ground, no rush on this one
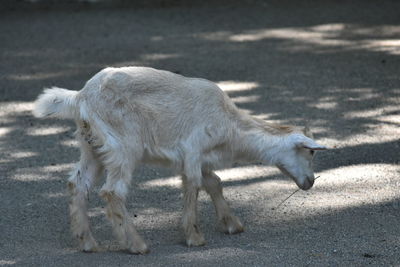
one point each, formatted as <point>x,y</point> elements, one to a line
<point>47,131</point>
<point>237,86</point>
<point>350,186</point>
<point>335,35</point>
<point>335,189</point>
<point>41,173</point>
<point>213,254</point>
<point>8,262</point>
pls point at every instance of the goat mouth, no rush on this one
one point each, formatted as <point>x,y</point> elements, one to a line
<point>307,184</point>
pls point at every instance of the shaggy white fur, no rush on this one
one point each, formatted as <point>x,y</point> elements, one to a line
<point>132,115</point>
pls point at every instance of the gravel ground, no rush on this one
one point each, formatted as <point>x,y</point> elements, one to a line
<point>331,64</point>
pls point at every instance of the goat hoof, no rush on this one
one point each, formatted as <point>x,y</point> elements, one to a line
<point>195,240</point>
<point>139,249</point>
<point>231,225</point>
<point>89,246</point>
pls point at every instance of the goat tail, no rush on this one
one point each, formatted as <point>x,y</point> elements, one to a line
<point>57,102</point>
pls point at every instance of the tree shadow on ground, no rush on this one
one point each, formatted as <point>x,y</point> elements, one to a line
<point>337,71</point>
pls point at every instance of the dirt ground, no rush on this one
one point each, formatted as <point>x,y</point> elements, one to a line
<point>333,65</point>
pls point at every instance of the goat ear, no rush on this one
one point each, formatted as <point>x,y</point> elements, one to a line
<point>309,143</point>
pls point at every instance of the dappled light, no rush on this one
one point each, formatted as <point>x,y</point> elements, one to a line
<point>347,185</point>
<point>38,76</point>
<point>95,212</point>
<point>236,86</point>
<point>47,131</point>
<point>55,195</point>
<point>234,174</point>
<point>337,35</point>
<point>7,109</point>
<point>245,99</point>
<point>390,46</point>
<point>29,174</point>
<point>22,154</point>
<point>8,262</point>
<point>328,67</point>
<point>213,254</point>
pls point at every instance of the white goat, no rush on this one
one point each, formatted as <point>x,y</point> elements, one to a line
<point>130,115</point>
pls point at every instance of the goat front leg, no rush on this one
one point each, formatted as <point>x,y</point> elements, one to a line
<point>190,227</point>
<point>227,222</point>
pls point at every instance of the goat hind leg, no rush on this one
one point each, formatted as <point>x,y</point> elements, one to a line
<point>79,185</point>
<point>85,174</point>
<point>114,192</point>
